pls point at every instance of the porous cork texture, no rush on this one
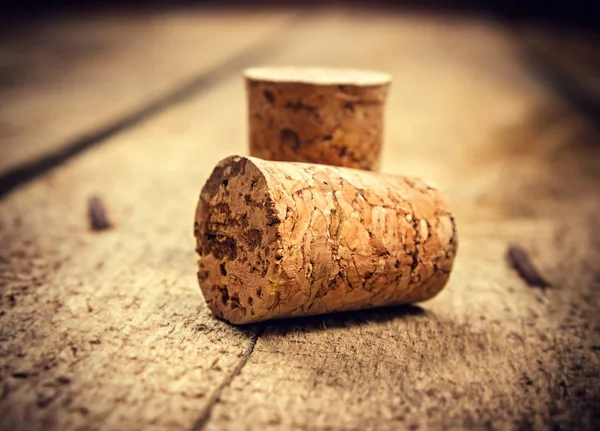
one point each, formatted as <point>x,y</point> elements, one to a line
<point>279,239</point>
<point>317,115</point>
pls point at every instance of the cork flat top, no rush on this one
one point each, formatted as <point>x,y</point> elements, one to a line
<point>318,75</point>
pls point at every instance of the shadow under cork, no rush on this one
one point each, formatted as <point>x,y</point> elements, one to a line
<point>339,320</point>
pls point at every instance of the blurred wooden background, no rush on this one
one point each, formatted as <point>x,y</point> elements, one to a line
<point>109,330</point>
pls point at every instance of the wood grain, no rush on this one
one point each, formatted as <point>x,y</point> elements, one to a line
<point>108,330</point>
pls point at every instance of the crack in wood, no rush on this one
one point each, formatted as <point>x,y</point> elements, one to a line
<point>215,397</point>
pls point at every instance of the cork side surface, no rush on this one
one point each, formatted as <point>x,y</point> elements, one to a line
<point>339,124</point>
<point>327,239</point>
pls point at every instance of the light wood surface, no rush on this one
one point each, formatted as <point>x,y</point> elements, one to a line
<point>70,76</point>
<point>108,330</point>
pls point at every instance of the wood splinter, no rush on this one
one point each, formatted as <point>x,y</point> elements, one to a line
<point>291,239</point>
<point>317,115</point>
<point>520,261</point>
<point>97,216</point>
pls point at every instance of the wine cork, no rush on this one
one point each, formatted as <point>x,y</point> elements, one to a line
<point>279,239</point>
<point>315,115</point>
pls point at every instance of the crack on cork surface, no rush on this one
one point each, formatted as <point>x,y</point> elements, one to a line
<point>317,239</point>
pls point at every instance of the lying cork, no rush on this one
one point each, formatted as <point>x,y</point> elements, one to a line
<point>315,115</point>
<point>279,239</point>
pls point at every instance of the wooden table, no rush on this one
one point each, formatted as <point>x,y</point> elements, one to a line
<point>108,330</point>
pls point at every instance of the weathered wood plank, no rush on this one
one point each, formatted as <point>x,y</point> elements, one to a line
<point>489,352</point>
<point>70,76</point>
<point>108,330</point>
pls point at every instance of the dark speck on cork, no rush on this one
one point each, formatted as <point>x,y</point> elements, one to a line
<point>254,238</point>
<point>271,212</point>
<point>202,275</point>
<point>221,246</point>
<point>453,237</point>
<point>269,96</point>
<point>214,181</point>
<point>238,166</point>
<point>273,222</point>
<point>235,303</point>
<point>224,294</point>
<point>415,259</point>
<point>218,178</point>
<point>289,138</point>
<point>220,209</point>
<point>243,221</point>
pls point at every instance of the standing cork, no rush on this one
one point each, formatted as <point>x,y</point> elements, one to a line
<point>292,239</point>
<point>327,116</point>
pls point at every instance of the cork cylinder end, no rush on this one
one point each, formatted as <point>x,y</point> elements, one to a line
<point>237,239</point>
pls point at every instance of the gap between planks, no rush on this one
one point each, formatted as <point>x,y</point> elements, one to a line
<point>214,399</point>
<point>264,49</point>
